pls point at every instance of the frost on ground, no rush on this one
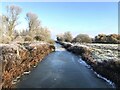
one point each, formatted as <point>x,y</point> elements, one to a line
<point>103,58</point>
<point>104,52</point>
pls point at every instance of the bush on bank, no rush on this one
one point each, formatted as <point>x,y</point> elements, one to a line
<point>111,39</point>
<point>82,38</point>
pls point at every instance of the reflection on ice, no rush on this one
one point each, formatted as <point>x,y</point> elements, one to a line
<point>59,49</point>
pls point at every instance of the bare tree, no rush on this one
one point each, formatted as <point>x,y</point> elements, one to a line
<point>3,30</point>
<point>2,24</point>
<point>68,36</point>
<point>33,21</point>
<point>35,29</point>
<point>11,18</point>
<point>60,37</point>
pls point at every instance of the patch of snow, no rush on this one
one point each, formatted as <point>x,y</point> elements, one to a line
<point>60,49</point>
<point>83,63</point>
<point>108,81</point>
<point>26,72</point>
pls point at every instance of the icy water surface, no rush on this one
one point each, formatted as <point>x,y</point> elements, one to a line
<point>62,69</point>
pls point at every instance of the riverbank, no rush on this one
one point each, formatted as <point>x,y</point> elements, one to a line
<point>103,58</point>
<point>19,58</point>
<point>62,69</point>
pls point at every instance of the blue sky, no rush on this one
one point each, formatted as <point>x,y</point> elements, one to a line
<point>77,17</point>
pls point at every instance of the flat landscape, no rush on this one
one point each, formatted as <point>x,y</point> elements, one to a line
<point>59,45</point>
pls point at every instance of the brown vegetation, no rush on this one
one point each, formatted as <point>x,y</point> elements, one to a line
<point>21,50</point>
<point>19,58</point>
<point>109,69</point>
<point>112,38</point>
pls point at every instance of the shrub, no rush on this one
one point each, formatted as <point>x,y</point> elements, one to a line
<point>82,38</point>
<point>60,37</point>
<point>18,39</point>
<point>51,41</point>
<point>5,39</point>
<point>112,38</point>
<point>28,38</point>
<point>101,38</point>
<point>38,38</point>
<point>67,37</point>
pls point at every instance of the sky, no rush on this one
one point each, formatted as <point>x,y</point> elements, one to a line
<point>90,18</point>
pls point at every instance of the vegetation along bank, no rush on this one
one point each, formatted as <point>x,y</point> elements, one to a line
<point>103,58</point>
<point>18,59</point>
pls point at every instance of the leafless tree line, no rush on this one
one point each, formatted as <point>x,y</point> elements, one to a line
<point>10,20</point>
